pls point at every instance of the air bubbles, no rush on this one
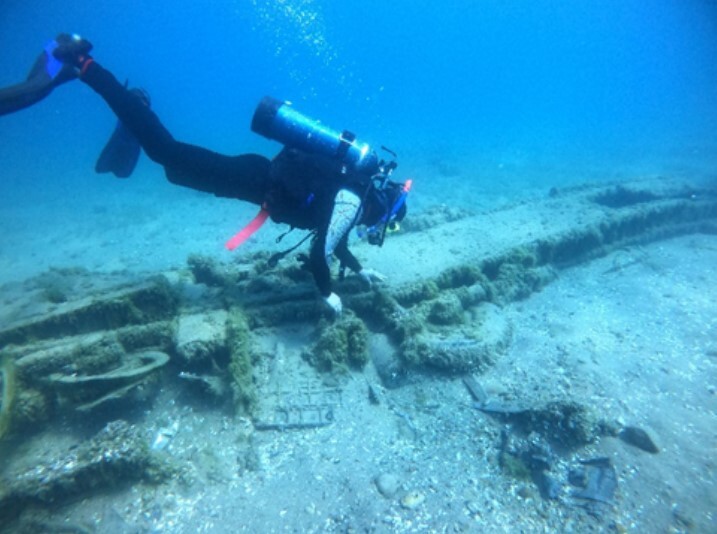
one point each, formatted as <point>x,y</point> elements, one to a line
<point>296,30</point>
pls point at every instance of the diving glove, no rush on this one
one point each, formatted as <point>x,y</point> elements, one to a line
<point>370,275</point>
<point>334,302</point>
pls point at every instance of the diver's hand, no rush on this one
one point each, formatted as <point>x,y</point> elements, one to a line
<point>369,276</point>
<point>71,49</point>
<point>334,302</point>
<point>49,65</point>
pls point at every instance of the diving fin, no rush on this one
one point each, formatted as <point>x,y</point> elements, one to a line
<point>121,153</point>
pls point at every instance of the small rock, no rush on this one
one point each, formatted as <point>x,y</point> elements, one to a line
<point>473,507</point>
<point>387,484</point>
<point>524,492</point>
<point>644,439</point>
<point>412,500</point>
<point>550,488</point>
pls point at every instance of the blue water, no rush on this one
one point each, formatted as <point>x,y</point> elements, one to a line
<point>483,95</point>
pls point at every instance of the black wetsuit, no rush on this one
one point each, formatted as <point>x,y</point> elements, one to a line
<point>296,188</point>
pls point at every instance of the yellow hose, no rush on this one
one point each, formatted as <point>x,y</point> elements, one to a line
<point>7,372</point>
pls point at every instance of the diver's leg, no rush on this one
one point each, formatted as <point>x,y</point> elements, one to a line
<point>244,177</point>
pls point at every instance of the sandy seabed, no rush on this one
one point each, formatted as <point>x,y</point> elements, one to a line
<point>632,334</point>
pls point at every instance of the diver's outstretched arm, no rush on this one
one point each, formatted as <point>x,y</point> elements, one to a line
<point>46,74</point>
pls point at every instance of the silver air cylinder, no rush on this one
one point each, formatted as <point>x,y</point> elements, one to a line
<point>279,121</point>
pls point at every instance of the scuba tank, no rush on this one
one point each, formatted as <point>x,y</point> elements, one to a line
<point>279,121</point>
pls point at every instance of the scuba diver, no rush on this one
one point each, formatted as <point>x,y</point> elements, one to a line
<point>322,180</point>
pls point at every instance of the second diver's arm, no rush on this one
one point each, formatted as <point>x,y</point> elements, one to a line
<point>347,210</point>
<point>334,240</point>
<point>347,207</point>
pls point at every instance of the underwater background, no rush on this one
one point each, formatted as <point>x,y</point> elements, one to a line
<point>540,359</point>
<point>483,100</point>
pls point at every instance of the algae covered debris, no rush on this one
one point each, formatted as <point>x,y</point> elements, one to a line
<point>7,376</point>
